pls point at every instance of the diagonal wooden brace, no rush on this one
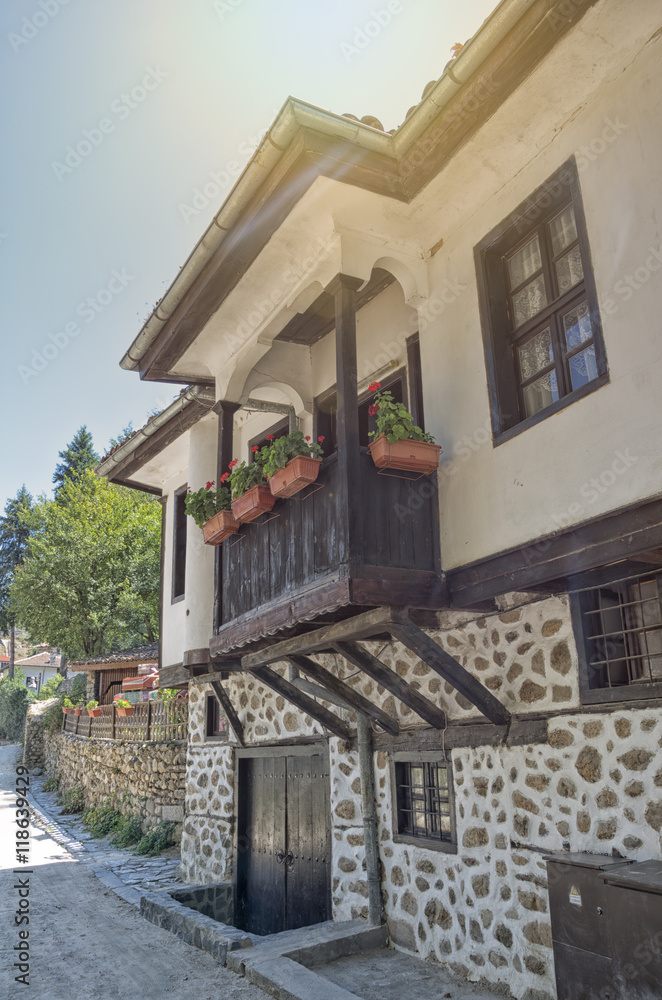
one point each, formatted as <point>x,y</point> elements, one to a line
<point>344,691</point>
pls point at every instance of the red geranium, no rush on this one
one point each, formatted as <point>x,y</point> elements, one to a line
<point>209,486</point>
<point>270,437</point>
<point>233,463</point>
<point>321,438</point>
<point>372,409</point>
<point>374,386</point>
<point>256,447</point>
<point>225,477</point>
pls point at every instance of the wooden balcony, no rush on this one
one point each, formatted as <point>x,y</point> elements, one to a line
<point>299,563</point>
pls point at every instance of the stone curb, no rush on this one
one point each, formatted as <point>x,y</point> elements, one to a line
<point>191,926</point>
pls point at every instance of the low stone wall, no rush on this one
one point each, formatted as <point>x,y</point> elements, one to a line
<point>33,745</point>
<point>136,778</point>
<point>216,900</point>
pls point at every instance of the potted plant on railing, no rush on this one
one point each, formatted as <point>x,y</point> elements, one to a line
<point>124,707</point>
<point>251,495</point>
<point>211,511</point>
<point>67,706</point>
<point>291,462</point>
<point>399,443</point>
<point>78,708</point>
<point>93,709</point>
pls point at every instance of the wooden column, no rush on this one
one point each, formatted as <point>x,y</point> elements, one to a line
<point>225,411</point>
<point>343,288</point>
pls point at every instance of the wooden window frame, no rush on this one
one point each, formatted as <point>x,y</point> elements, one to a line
<point>179,524</point>
<point>621,694</point>
<point>400,375</point>
<point>418,758</point>
<point>500,337</point>
<point>260,439</point>
<point>212,707</point>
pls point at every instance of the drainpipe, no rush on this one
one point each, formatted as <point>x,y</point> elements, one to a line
<point>364,733</point>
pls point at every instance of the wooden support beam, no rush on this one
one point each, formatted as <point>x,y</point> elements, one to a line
<point>446,666</point>
<point>380,673</point>
<point>359,627</point>
<point>226,411</point>
<point>521,732</point>
<point>227,706</point>
<point>322,715</point>
<point>344,691</point>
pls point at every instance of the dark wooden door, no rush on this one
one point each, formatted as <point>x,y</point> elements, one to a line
<point>284,842</point>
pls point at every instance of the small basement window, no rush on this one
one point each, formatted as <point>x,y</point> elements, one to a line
<point>424,809</point>
<point>216,725</point>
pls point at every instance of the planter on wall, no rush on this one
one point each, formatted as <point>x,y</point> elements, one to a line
<point>300,471</point>
<point>258,500</point>
<point>78,711</point>
<point>94,713</point>
<point>409,455</point>
<point>219,527</point>
<point>67,711</point>
<point>124,712</point>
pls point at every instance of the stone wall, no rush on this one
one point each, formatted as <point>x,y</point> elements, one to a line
<point>33,744</point>
<point>593,785</point>
<point>136,778</point>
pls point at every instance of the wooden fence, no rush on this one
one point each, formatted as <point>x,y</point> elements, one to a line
<point>156,721</point>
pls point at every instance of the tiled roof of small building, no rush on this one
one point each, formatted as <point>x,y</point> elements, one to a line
<point>146,653</point>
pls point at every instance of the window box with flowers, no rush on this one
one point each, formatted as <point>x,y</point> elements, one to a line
<point>124,708</point>
<point>211,511</point>
<point>399,443</point>
<point>291,463</point>
<point>251,495</point>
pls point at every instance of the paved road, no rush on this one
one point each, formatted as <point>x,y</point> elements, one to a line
<point>85,943</point>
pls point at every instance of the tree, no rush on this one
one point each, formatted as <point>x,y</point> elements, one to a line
<point>123,436</point>
<point>78,456</point>
<point>90,582</point>
<point>14,534</point>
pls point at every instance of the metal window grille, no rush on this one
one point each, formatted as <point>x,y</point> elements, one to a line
<point>424,808</point>
<point>623,632</point>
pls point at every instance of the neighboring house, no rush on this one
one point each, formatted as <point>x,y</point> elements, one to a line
<point>40,667</point>
<point>106,673</point>
<point>492,262</point>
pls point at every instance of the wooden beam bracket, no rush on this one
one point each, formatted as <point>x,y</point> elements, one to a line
<point>333,684</point>
<point>322,715</point>
<point>227,706</point>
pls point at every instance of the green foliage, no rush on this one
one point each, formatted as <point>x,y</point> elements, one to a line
<point>243,477</point>
<point>128,832</point>
<point>394,419</point>
<point>77,457</point>
<point>52,717</point>
<point>123,436</point>
<point>92,704</point>
<point>205,502</point>
<point>14,701</point>
<point>72,801</point>
<point>101,820</point>
<point>157,840</point>
<point>79,688</point>
<point>276,455</point>
<point>90,581</point>
<point>15,528</point>
<point>52,784</point>
<point>50,688</point>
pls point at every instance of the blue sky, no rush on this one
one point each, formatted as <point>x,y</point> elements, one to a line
<point>113,115</point>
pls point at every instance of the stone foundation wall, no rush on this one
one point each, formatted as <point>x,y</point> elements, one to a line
<point>33,744</point>
<point>594,785</point>
<point>136,778</point>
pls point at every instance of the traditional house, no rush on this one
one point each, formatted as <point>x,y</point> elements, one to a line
<point>106,673</point>
<point>432,683</point>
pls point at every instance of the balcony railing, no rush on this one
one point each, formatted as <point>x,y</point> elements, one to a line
<point>294,564</point>
<point>152,721</point>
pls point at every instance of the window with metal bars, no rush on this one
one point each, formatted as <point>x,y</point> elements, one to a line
<point>424,800</point>
<point>621,625</point>
<point>543,342</point>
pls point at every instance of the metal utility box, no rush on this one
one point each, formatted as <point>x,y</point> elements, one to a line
<point>634,894</point>
<point>581,911</point>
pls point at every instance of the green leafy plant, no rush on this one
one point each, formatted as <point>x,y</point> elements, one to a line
<point>243,477</point>
<point>157,840</point>
<point>122,703</point>
<point>127,832</point>
<point>102,820</point>
<point>73,800</point>
<point>393,419</point>
<point>49,689</point>
<point>14,701</point>
<point>167,694</point>
<point>52,784</point>
<point>67,703</point>
<point>281,450</point>
<point>92,704</point>
<point>204,503</point>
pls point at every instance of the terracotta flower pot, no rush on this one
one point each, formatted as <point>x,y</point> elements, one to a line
<point>219,527</point>
<point>94,713</point>
<point>258,500</point>
<point>124,712</point>
<point>409,455</point>
<point>78,711</point>
<point>67,711</point>
<point>299,472</point>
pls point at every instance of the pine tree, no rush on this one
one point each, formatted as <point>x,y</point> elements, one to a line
<point>14,536</point>
<point>78,456</point>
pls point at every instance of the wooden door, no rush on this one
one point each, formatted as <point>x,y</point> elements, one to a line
<point>284,842</point>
